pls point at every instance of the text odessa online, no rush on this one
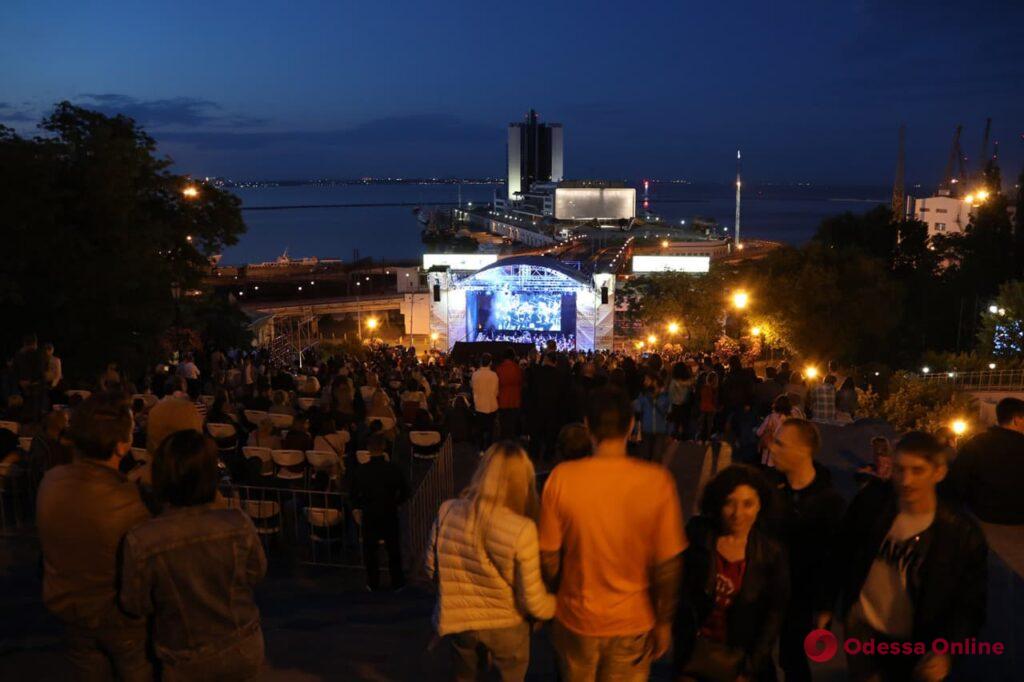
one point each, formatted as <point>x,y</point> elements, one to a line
<point>967,647</point>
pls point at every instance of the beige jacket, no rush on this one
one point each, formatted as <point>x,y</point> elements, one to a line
<point>483,588</point>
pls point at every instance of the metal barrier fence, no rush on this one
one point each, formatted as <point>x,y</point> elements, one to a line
<point>984,380</point>
<point>17,501</point>
<point>311,526</point>
<point>437,486</point>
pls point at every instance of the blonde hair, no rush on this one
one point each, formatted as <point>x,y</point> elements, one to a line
<point>504,478</point>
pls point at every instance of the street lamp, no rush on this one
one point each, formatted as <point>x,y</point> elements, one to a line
<point>190,192</point>
<point>673,328</point>
<point>959,427</point>
<point>664,243</point>
<point>810,371</point>
<point>433,339</point>
<point>740,300</point>
<point>651,339</point>
<point>755,331</point>
<point>639,345</point>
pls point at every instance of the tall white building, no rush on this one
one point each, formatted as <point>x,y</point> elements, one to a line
<point>534,154</point>
<point>943,215</point>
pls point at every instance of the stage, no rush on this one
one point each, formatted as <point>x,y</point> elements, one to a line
<point>523,300</point>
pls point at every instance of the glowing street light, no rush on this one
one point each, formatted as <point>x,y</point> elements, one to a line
<point>756,331</point>
<point>664,243</point>
<point>925,369</point>
<point>993,309</point>
<point>652,339</point>
<point>810,371</point>
<point>959,427</point>
<point>190,192</point>
<point>991,365</point>
<point>638,345</point>
<point>371,323</point>
<point>673,328</point>
<point>740,299</point>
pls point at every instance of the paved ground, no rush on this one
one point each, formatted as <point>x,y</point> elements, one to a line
<point>319,624</point>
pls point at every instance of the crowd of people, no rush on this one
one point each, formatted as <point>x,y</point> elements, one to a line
<point>564,342</point>
<point>573,514</point>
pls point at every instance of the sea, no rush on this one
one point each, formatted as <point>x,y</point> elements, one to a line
<point>377,220</point>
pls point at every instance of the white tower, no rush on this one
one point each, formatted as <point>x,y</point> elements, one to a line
<point>739,245</point>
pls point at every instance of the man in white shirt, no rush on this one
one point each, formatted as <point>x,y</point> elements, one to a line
<point>485,399</point>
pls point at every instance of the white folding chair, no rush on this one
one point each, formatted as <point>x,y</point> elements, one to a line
<point>386,423</point>
<point>265,515</point>
<point>306,403</point>
<point>141,455</point>
<point>80,392</point>
<point>291,464</point>
<point>321,460</point>
<point>13,427</point>
<point>322,522</point>
<point>255,417</point>
<point>218,431</point>
<point>265,455</point>
<point>25,443</point>
<point>282,421</point>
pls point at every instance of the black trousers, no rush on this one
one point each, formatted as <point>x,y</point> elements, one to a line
<point>375,530</point>
<point>793,659</point>
<point>508,423</point>
<point>485,424</point>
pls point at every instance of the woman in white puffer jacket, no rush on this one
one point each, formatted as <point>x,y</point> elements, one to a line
<point>484,560</point>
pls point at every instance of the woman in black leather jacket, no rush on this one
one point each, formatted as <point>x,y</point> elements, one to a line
<point>735,584</point>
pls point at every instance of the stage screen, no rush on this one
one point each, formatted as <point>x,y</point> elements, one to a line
<point>509,311</point>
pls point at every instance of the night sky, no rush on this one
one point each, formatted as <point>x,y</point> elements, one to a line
<point>812,91</point>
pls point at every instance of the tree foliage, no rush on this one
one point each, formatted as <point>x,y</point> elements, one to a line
<point>97,231</point>
<point>1002,331</point>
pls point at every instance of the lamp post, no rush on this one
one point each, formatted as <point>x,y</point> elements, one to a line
<point>176,297</point>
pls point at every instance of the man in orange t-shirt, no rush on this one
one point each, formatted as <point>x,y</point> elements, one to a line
<point>612,528</point>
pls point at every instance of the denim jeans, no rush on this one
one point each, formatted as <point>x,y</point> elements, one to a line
<point>506,650</point>
<point>240,661</point>
<point>604,659</point>
<point>108,654</point>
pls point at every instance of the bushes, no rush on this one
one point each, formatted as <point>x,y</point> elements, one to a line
<point>915,403</point>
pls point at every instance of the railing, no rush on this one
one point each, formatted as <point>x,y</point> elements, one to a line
<point>314,527</point>
<point>984,380</point>
<point>437,486</point>
<point>311,526</point>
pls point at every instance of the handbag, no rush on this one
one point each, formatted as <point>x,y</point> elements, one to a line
<point>713,661</point>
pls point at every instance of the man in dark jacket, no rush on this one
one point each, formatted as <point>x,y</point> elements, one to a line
<point>547,406</point>
<point>378,489</point>
<point>909,568</point>
<point>83,511</point>
<point>805,515</point>
<point>988,474</point>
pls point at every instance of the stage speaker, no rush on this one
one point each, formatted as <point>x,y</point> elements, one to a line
<point>437,293</point>
<point>604,295</point>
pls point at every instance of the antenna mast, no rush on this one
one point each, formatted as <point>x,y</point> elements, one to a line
<point>739,183</point>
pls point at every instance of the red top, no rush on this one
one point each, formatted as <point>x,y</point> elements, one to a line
<point>510,385</point>
<point>708,398</point>
<point>728,580</point>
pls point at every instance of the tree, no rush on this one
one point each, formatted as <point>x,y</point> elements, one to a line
<point>98,230</point>
<point>695,302</point>
<point>1002,331</point>
<point>832,304</point>
<point>873,232</point>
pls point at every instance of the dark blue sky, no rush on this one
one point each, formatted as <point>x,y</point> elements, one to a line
<point>812,91</point>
